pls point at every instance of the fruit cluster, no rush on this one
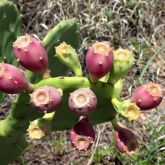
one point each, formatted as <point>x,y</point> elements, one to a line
<point>103,64</point>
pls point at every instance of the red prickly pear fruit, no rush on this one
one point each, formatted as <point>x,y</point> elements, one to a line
<point>12,79</point>
<point>147,96</point>
<point>82,135</point>
<point>31,54</point>
<point>82,101</point>
<point>125,139</point>
<point>99,60</point>
<point>46,99</point>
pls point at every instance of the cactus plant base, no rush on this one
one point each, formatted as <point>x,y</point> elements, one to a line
<point>13,128</point>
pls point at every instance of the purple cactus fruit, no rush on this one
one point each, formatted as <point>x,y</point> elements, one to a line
<point>46,99</point>
<point>82,101</point>
<point>12,79</point>
<point>99,60</point>
<point>125,139</point>
<point>31,54</point>
<point>147,96</point>
<point>82,135</point>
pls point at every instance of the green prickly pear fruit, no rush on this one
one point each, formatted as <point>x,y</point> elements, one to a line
<point>127,109</point>
<point>41,127</point>
<point>67,55</point>
<point>123,63</point>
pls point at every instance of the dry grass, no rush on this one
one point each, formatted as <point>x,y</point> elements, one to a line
<point>135,24</point>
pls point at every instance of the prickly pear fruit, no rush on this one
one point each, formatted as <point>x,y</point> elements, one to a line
<point>31,54</point>
<point>147,96</point>
<point>46,99</point>
<point>124,138</point>
<point>67,55</point>
<point>99,60</point>
<point>127,109</point>
<point>82,135</point>
<point>82,101</point>
<point>38,128</point>
<point>123,62</point>
<point>41,127</point>
<point>12,79</point>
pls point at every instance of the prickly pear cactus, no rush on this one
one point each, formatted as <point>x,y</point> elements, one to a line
<point>48,100</point>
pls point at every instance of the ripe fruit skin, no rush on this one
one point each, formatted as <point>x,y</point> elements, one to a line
<point>82,135</point>
<point>99,60</point>
<point>12,79</point>
<point>125,139</point>
<point>147,96</point>
<point>46,99</point>
<point>31,54</point>
<point>82,101</point>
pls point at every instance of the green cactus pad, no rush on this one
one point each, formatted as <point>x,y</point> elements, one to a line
<point>66,31</point>
<point>10,28</point>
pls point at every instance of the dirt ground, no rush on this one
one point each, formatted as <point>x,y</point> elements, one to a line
<point>134,24</point>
